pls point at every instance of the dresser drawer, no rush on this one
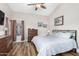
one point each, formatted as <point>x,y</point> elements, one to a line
<point>5,44</point>
<point>32,33</point>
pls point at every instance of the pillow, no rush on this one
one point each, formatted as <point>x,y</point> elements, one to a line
<point>65,35</point>
<point>56,34</point>
<point>62,35</point>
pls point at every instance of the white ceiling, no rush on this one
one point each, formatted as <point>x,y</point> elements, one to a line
<point>24,8</point>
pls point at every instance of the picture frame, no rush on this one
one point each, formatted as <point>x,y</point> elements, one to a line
<point>45,25</point>
<point>59,21</point>
<point>40,24</point>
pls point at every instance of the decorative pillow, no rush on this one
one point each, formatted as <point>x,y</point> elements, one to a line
<point>62,35</point>
<point>56,34</point>
<point>65,35</point>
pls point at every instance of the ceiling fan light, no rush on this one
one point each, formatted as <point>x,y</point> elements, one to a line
<point>38,6</point>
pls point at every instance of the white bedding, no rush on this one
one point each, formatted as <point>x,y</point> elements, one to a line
<point>48,45</point>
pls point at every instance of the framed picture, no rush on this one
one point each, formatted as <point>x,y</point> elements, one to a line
<point>59,21</point>
<point>45,25</point>
<point>40,24</point>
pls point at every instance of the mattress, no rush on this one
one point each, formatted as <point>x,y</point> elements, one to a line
<point>47,45</point>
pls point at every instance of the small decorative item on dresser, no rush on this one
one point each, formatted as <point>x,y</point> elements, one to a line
<point>48,32</point>
<point>5,29</point>
<point>59,21</point>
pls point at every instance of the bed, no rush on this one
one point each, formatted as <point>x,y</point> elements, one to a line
<point>56,43</point>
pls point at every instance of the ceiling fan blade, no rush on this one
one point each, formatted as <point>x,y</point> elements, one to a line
<point>35,3</point>
<point>31,4</point>
<point>38,5</point>
<point>43,6</point>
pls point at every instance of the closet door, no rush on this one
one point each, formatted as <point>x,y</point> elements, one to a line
<point>13,29</point>
<point>22,30</point>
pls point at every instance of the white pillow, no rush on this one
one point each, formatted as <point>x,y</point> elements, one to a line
<point>62,35</point>
<point>56,34</point>
<point>65,35</point>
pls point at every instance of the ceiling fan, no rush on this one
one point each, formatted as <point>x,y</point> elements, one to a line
<point>38,5</point>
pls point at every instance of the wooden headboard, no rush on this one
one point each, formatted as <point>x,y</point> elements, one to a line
<point>70,31</point>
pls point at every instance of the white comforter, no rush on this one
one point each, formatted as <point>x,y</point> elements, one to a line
<point>48,45</point>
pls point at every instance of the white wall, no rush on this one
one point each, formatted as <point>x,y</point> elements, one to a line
<point>31,21</point>
<point>71,17</point>
<point>6,10</point>
<point>58,12</point>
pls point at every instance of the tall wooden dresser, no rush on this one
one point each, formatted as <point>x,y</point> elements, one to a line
<point>32,33</point>
<point>5,44</point>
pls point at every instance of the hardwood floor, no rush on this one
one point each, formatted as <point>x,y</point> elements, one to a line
<point>22,49</point>
<point>27,49</point>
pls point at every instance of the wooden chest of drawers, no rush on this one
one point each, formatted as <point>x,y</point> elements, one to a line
<point>5,44</point>
<point>31,34</point>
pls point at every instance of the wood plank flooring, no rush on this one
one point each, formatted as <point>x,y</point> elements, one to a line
<point>22,49</point>
<point>27,49</point>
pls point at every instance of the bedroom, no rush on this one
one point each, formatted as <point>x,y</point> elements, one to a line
<point>32,20</point>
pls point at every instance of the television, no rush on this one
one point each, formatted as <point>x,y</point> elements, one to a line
<point>2,15</point>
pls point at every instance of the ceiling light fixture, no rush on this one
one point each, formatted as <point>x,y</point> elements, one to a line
<point>38,5</point>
